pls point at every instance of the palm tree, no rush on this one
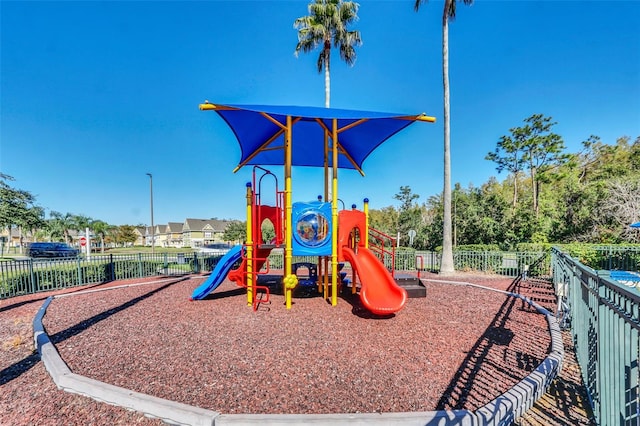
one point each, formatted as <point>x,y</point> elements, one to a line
<point>60,224</point>
<point>449,13</point>
<point>326,26</point>
<point>56,226</point>
<point>100,229</point>
<point>81,223</point>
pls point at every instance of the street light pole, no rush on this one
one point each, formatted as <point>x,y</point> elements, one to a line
<point>153,229</point>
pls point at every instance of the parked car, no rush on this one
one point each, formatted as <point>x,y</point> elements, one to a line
<point>51,250</point>
<point>215,249</point>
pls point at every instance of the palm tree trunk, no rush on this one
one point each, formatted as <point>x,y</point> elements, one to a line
<point>446,266</point>
<point>327,102</point>
<point>327,80</point>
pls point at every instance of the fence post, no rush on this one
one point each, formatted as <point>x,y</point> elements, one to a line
<point>112,268</point>
<point>34,284</point>
<point>140,265</point>
<point>601,319</point>
<point>79,269</point>
<point>196,264</point>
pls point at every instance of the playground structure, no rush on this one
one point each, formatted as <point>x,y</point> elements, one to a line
<point>315,228</point>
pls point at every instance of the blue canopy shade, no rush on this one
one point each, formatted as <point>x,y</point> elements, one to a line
<point>260,131</point>
<point>635,225</point>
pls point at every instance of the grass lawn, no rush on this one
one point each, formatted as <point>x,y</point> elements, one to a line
<point>145,249</point>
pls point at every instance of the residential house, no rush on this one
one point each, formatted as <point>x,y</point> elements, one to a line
<point>200,232</point>
<point>174,235</point>
<point>141,235</point>
<point>14,237</point>
<point>161,236</point>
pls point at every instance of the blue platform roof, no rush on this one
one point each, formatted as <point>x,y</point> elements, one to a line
<point>259,130</point>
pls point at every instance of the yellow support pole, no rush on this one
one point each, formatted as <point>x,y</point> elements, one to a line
<point>325,277</point>
<point>326,166</point>
<point>249,244</point>
<point>366,222</point>
<point>334,218</point>
<point>288,211</point>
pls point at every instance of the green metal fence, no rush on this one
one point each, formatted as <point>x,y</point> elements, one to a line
<point>510,264</point>
<point>605,324</point>
<point>19,277</point>
<point>620,258</point>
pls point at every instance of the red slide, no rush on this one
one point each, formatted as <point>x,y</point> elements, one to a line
<point>379,292</point>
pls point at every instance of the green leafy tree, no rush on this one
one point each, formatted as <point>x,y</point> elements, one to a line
<point>384,220</point>
<point>60,225</point>
<point>17,208</point>
<point>101,230</point>
<point>33,220</point>
<point>479,214</point>
<point>81,222</point>
<point>591,195</point>
<point>467,217</point>
<point>409,214</point>
<point>594,198</point>
<point>236,231</point>
<point>634,156</point>
<point>509,156</point>
<point>600,161</point>
<point>268,231</point>
<point>326,27</point>
<point>125,234</point>
<point>432,233</point>
<point>543,151</point>
<point>534,147</point>
<point>491,213</point>
<point>406,196</point>
<point>449,14</point>
<point>574,201</point>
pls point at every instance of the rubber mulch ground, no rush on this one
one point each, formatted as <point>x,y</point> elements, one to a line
<point>458,348</point>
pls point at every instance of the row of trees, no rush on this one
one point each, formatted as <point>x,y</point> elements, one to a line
<point>591,199</point>
<point>587,196</point>
<point>18,209</point>
<point>327,26</point>
<point>549,196</point>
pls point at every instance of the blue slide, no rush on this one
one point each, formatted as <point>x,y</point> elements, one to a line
<point>219,273</point>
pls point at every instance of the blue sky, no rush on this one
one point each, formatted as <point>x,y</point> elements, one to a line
<point>94,95</point>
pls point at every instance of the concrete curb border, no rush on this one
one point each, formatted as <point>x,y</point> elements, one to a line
<point>168,411</point>
<point>501,411</point>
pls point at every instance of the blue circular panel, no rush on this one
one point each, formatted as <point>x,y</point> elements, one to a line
<point>312,228</point>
